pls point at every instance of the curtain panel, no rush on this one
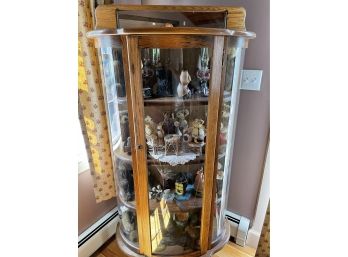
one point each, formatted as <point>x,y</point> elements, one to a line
<point>92,113</point>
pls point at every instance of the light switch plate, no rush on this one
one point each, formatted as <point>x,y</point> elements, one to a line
<point>251,80</point>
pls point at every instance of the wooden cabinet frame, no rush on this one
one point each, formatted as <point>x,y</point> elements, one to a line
<point>131,41</point>
<point>131,56</point>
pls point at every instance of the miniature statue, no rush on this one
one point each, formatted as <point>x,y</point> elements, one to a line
<point>168,178</point>
<point>168,123</point>
<point>182,89</point>
<point>156,193</point>
<point>180,185</point>
<point>181,123</point>
<point>199,182</point>
<point>151,134</point>
<point>167,195</point>
<point>160,134</point>
<point>197,131</point>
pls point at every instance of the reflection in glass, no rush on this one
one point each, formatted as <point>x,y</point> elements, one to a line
<point>175,91</point>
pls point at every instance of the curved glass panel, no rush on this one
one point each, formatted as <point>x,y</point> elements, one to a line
<point>228,114</point>
<point>117,112</point>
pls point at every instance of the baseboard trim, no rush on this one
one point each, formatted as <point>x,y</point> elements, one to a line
<point>98,234</point>
<point>253,238</point>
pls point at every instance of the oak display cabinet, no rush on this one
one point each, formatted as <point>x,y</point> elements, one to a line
<point>171,91</point>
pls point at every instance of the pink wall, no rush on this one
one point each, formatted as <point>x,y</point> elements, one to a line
<point>89,210</point>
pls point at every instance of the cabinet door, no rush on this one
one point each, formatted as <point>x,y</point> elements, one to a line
<point>174,97</point>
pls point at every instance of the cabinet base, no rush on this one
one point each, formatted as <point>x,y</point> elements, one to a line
<point>217,245</point>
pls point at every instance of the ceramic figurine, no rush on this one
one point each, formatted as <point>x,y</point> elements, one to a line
<point>156,193</point>
<point>168,123</point>
<point>181,123</point>
<point>180,185</point>
<point>168,178</point>
<point>151,134</point>
<point>167,195</point>
<point>199,182</point>
<point>160,134</point>
<point>182,89</point>
<point>197,131</point>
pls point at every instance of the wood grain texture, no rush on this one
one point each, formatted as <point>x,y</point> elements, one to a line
<point>130,95</point>
<point>139,141</point>
<point>106,18</point>
<point>211,144</point>
<point>131,56</point>
<point>175,41</point>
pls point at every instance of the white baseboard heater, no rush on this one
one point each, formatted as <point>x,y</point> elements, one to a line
<point>94,237</point>
<point>239,227</point>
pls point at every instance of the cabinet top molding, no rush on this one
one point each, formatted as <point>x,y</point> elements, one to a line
<point>106,14</point>
<point>171,31</point>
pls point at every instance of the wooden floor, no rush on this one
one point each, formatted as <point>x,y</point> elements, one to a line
<point>110,249</point>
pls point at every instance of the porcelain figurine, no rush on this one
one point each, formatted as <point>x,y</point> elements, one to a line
<point>181,122</point>
<point>183,89</point>
<point>197,131</point>
<point>151,134</point>
<point>160,133</point>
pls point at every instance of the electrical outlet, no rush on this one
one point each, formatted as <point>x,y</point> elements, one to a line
<point>251,80</point>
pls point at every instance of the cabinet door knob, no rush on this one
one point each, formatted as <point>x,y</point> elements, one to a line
<point>139,147</point>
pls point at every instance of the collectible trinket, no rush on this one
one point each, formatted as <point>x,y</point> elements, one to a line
<point>199,182</point>
<point>180,185</point>
<point>182,89</point>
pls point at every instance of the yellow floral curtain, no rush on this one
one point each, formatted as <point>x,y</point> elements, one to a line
<point>92,113</point>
